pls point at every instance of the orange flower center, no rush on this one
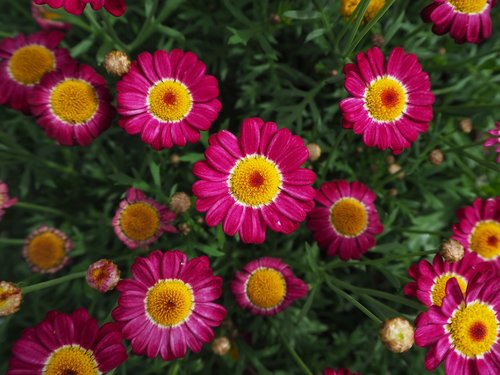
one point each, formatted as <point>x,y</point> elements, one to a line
<point>485,239</point>
<point>46,250</point>
<point>468,6</point>
<point>385,99</point>
<point>349,217</point>
<point>28,64</point>
<point>438,290</point>
<point>74,101</point>
<point>139,221</point>
<point>71,360</point>
<point>170,101</point>
<point>266,288</point>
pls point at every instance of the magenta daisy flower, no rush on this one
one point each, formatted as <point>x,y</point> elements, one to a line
<point>465,20</point>
<point>115,7</point>
<point>168,99</point>
<point>5,200</point>
<point>103,275</point>
<point>267,286</point>
<point>24,60</point>
<point>391,102</point>
<point>46,249</point>
<point>464,330</point>
<point>140,221</point>
<point>72,105</point>
<point>430,279</point>
<point>478,229</point>
<point>495,140</point>
<point>340,371</point>
<point>346,220</point>
<point>48,20</point>
<point>254,182</point>
<point>68,344</point>
<point>167,306</point>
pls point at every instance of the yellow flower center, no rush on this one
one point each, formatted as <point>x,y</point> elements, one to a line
<point>139,221</point>
<point>385,99</point>
<point>46,14</point>
<point>349,217</point>
<point>1,200</point>
<point>169,302</point>
<point>170,101</point>
<point>28,64</point>
<point>266,288</point>
<point>74,101</point>
<point>255,181</point>
<point>468,6</point>
<point>438,290</point>
<point>71,360</point>
<point>473,329</point>
<point>485,239</point>
<point>347,8</point>
<point>46,250</point>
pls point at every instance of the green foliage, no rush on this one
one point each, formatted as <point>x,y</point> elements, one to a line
<point>281,61</point>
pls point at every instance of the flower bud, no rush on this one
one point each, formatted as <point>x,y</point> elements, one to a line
<point>466,125</point>
<point>175,160</point>
<point>396,169</point>
<point>117,63</point>
<point>378,40</point>
<point>103,275</point>
<point>436,157</point>
<point>180,203</point>
<point>275,19</point>
<point>452,251</point>
<point>184,228</point>
<point>393,192</point>
<point>397,334</point>
<point>221,345</point>
<point>314,151</point>
<point>10,298</point>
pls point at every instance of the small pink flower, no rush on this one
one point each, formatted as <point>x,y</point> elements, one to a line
<point>478,230</point>
<point>68,344</point>
<point>167,98</point>
<point>465,20</point>
<point>72,105</point>
<point>464,331</point>
<point>255,181</point>
<point>167,306</point>
<point>346,220</point>
<point>48,20</point>
<point>24,61</point>
<point>495,140</point>
<point>103,275</point>
<point>139,221</point>
<point>340,371</point>
<point>5,200</point>
<point>267,286</point>
<point>390,101</point>
<point>115,7</point>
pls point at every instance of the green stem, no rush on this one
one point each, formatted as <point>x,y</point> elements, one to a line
<point>292,351</point>
<point>174,368</point>
<point>385,259</point>
<point>53,282</point>
<point>354,301</point>
<point>146,28</point>
<point>421,231</point>
<point>11,241</point>
<point>37,207</point>
<point>326,25</point>
<point>357,17</point>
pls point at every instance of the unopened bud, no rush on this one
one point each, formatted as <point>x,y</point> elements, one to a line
<point>314,151</point>
<point>10,298</point>
<point>442,51</point>
<point>378,40</point>
<point>221,345</point>
<point>436,157</point>
<point>117,63</point>
<point>180,203</point>
<point>175,160</point>
<point>397,334</point>
<point>466,125</point>
<point>275,19</point>
<point>334,72</point>
<point>184,229</point>
<point>103,275</point>
<point>396,169</point>
<point>452,251</point>
<point>393,192</point>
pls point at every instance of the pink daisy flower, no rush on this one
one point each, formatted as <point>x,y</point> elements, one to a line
<point>139,221</point>
<point>346,220</point>
<point>46,249</point>
<point>464,330</point>
<point>24,60</point>
<point>115,7</point>
<point>72,105</point>
<point>103,275</point>
<point>340,371</point>
<point>48,20</point>
<point>391,102</point>
<point>495,140</point>
<point>465,20</point>
<point>168,99</point>
<point>429,286</point>
<point>68,344</point>
<point>5,200</point>
<point>267,286</point>
<point>167,306</point>
<point>255,181</point>
<point>478,229</point>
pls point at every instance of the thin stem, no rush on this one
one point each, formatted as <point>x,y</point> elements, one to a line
<point>292,351</point>
<point>53,282</point>
<point>385,259</point>
<point>354,301</point>
<point>11,241</point>
<point>421,231</point>
<point>37,207</point>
